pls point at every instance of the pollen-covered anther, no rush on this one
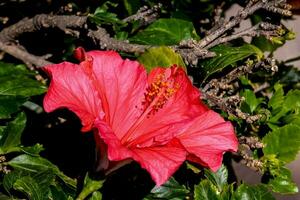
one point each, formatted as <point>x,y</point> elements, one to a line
<point>158,93</point>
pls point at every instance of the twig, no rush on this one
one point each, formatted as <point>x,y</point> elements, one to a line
<point>145,14</point>
<point>107,42</point>
<point>23,55</point>
<point>252,142</point>
<point>64,22</point>
<point>263,28</point>
<point>68,24</point>
<point>243,14</point>
<point>292,59</point>
<point>190,50</point>
<point>248,160</point>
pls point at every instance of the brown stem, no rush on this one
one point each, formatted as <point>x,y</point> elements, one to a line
<point>23,55</point>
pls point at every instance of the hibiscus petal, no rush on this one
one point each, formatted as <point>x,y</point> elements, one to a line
<point>115,150</point>
<point>207,138</point>
<point>71,88</point>
<point>161,161</point>
<point>122,85</point>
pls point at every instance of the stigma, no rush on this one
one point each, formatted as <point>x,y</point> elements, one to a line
<point>159,92</point>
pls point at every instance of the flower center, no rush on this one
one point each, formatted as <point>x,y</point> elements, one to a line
<point>156,96</point>
<point>158,93</point>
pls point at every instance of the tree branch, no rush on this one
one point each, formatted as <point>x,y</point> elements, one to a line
<point>107,42</point>
<point>251,7</point>
<point>23,55</point>
<point>63,22</point>
<point>261,29</point>
<point>190,50</point>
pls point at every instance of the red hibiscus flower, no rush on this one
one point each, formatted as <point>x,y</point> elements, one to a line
<point>157,120</point>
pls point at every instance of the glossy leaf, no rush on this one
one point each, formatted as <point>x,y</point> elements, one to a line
<point>31,164</point>
<point>9,105</point>
<point>282,182</point>
<point>30,187</point>
<point>4,197</point>
<point>1,130</point>
<point>90,186</point>
<point>219,178</point>
<point>132,6</point>
<point>284,142</point>
<point>291,103</point>
<point>10,178</point>
<point>33,150</point>
<point>160,57</point>
<point>16,85</point>
<point>193,167</point>
<point>251,102</point>
<point>11,137</point>
<point>226,56</point>
<point>37,164</point>
<point>103,16</point>
<point>57,193</point>
<point>165,32</point>
<point>292,99</point>
<point>272,43</point>
<point>278,97</point>
<point>96,196</point>
<point>171,190</point>
<point>34,185</point>
<point>205,190</point>
<point>12,69</point>
<point>20,85</point>
<point>258,192</point>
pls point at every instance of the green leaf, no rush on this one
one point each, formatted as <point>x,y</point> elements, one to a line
<point>16,85</point>
<point>226,56</point>
<point>258,192</point>
<point>283,186</point>
<point>96,196</point>
<point>9,105</point>
<point>291,103</point>
<point>165,32</point>
<point>219,178</point>
<point>9,69</point>
<point>33,150</point>
<point>32,163</point>
<point>171,190</point>
<point>192,167</point>
<point>58,190</point>
<point>103,16</point>
<point>283,183</point>
<point>205,190</point>
<point>20,85</point>
<point>250,100</point>
<point>5,197</point>
<point>10,178</point>
<point>272,43</point>
<point>284,142</point>
<point>227,193</point>
<point>132,6</point>
<point>36,164</point>
<point>11,137</point>
<point>292,99</point>
<point>26,182</point>
<point>30,187</point>
<point>90,186</point>
<point>57,193</point>
<point>160,57</point>
<point>278,97</point>
<point>2,128</point>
